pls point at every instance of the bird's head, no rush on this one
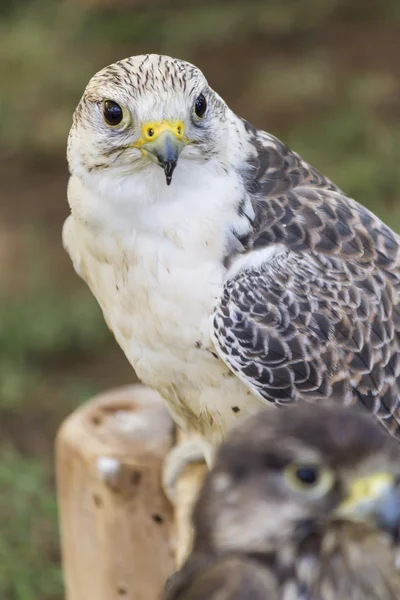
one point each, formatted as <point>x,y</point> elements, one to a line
<point>285,473</point>
<point>145,111</point>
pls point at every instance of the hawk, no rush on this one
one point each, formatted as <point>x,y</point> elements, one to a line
<point>301,503</point>
<point>231,272</point>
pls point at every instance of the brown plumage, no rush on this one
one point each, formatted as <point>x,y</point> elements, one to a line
<point>321,319</point>
<point>301,505</point>
<point>224,578</point>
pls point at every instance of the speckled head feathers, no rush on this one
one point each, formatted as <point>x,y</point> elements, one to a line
<point>149,73</point>
<point>248,482</point>
<point>343,436</point>
<point>147,89</point>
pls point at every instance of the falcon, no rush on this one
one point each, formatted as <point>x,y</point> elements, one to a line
<point>231,272</point>
<point>224,578</point>
<point>300,504</point>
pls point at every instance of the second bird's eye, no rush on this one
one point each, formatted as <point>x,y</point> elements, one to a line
<point>112,112</point>
<point>307,475</point>
<point>309,478</point>
<point>200,106</point>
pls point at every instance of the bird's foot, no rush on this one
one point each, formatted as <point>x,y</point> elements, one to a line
<point>185,453</point>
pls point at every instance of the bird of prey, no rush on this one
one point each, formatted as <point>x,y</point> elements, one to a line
<point>305,501</point>
<point>231,272</point>
<point>223,578</point>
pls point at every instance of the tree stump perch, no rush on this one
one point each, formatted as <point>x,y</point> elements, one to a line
<point>120,539</point>
<point>116,524</point>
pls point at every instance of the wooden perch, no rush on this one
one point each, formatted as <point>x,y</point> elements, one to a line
<point>117,535</point>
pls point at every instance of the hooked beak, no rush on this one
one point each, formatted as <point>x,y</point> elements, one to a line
<point>162,142</point>
<point>375,500</point>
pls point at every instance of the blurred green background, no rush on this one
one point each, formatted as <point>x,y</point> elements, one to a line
<point>324,75</point>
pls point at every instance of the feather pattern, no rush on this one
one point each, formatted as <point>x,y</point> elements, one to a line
<point>348,562</point>
<point>322,317</point>
<point>250,263</point>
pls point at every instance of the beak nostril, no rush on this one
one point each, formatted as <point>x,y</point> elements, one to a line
<point>150,132</point>
<point>179,130</point>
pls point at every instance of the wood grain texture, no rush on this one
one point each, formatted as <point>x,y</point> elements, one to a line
<point>117,533</point>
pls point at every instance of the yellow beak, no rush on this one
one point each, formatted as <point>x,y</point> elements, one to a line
<point>374,499</point>
<point>162,142</point>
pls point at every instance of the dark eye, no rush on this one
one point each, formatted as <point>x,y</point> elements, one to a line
<point>200,106</point>
<point>307,475</point>
<point>313,479</point>
<point>112,112</point>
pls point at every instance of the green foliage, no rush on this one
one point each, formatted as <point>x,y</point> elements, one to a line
<point>42,331</point>
<point>42,328</point>
<point>29,555</point>
<point>43,74</point>
<point>358,152</point>
<point>42,325</point>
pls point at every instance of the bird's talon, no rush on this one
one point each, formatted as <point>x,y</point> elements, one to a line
<point>175,463</point>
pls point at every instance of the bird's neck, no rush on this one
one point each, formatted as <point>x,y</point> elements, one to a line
<point>199,211</point>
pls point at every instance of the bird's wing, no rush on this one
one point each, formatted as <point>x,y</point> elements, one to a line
<point>225,578</point>
<point>311,308</point>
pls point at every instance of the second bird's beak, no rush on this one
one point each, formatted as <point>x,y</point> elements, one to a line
<point>162,142</point>
<point>374,499</point>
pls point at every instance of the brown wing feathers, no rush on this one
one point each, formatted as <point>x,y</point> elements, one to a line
<point>323,317</point>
